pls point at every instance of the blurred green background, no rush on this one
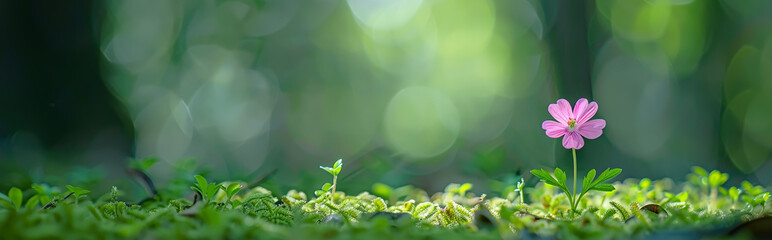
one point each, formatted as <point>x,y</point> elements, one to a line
<point>420,92</point>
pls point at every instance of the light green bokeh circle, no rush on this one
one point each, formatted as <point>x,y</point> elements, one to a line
<point>421,122</point>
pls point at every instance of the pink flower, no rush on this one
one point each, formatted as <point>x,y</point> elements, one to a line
<point>573,125</point>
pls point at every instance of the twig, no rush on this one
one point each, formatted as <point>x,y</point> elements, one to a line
<point>148,184</point>
<point>263,178</point>
<point>51,203</point>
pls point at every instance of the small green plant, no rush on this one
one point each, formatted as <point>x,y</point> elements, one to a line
<point>589,183</point>
<point>231,190</point>
<point>206,189</point>
<point>715,180</point>
<point>13,199</point>
<point>334,170</point>
<point>77,192</point>
<point>459,189</point>
<point>754,195</point>
<point>43,195</point>
<point>519,189</point>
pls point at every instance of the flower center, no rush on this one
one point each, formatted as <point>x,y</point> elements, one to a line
<point>571,124</point>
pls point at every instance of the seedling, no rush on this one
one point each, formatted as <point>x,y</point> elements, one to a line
<point>77,192</point>
<point>459,189</point>
<point>231,190</point>
<point>715,180</point>
<point>13,199</point>
<point>754,195</point>
<point>334,170</point>
<point>206,189</point>
<point>43,194</point>
<point>519,189</point>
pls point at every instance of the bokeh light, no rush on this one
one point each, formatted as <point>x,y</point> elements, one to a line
<point>422,91</point>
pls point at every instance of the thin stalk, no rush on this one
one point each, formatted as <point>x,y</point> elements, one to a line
<point>573,207</point>
<point>334,184</point>
<point>521,197</point>
<point>713,196</point>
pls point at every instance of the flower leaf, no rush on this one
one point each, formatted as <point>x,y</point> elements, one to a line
<point>603,187</point>
<point>606,175</point>
<point>545,177</point>
<point>587,182</point>
<point>548,179</point>
<point>561,176</point>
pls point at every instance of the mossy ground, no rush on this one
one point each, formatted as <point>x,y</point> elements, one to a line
<point>637,208</point>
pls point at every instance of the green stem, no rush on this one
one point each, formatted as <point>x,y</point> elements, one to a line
<point>573,207</point>
<point>334,184</point>
<point>713,196</point>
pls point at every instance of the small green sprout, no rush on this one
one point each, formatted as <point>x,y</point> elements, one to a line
<point>43,194</point>
<point>460,189</point>
<point>715,180</point>
<point>519,189</point>
<point>699,177</point>
<point>231,190</point>
<point>750,189</point>
<point>755,195</point>
<point>206,189</point>
<point>334,170</point>
<point>734,193</point>
<point>644,183</point>
<point>77,192</point>
<point>14,197</point>
<point>589,183</point>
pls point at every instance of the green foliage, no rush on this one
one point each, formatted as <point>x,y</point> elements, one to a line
<point>621,210</point>
<point>77,192</point>
<point>454,213</point>
<point>519,189</point>
<point>459,189</point>
<point>143,164</point>
<point>262,206</point>
<point>335,169</point>
<point>231,190</point>
<point>44,193</point>
<point>15,197</point>
<point>588,184</point>
<point>206,189</point>
<point>717,178</point>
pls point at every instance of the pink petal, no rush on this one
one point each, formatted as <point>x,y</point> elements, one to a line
<point>573,140</point>
<point>554,129</point>
<point>580,107</point>
<point>561,111</point>
<point>587,113</point>
<point>592,129</point>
